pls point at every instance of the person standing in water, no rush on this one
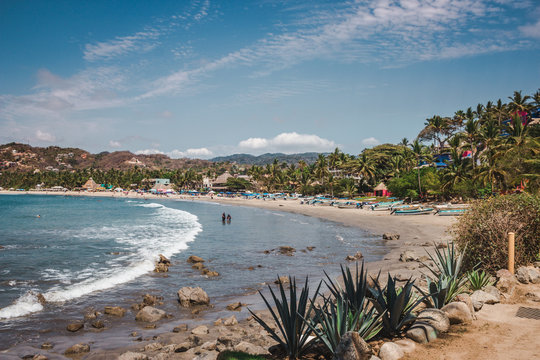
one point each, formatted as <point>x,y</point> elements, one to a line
<point>229,218</point>
<point>223,217</point>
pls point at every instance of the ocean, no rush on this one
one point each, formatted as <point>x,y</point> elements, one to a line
<point>84,253</point>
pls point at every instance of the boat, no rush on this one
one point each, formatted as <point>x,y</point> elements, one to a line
<point>347,205</point>
<point>418,211</point>
<point>450,212</point>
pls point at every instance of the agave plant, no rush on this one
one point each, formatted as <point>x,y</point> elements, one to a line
<point>442,290</point>
<point>292,331</point>
<point>448,262</point>
<point>333,319</point>
<point>354,289</point>
<point>395,304</point>
<point>478,279</point>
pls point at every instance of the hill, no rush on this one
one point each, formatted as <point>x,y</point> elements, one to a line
<point>246,159</point>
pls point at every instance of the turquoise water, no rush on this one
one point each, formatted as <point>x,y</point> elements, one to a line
<point>84,252</point>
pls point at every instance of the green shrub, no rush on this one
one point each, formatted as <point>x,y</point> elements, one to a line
<point>235,355</point>
<point>484,229</point>
<point>479,279</point>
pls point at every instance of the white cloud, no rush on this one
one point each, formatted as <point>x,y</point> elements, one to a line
<point>531,30</point>
<point>200,153</point>
<point>370,141</point>
<point>115,144</point>
<point>142,41</point>
<point>45,136</point>
<point>148,152</point>
<point>288,143</point>
<point>166,114</point>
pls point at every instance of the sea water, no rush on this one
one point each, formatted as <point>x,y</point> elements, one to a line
<point>85,253</point>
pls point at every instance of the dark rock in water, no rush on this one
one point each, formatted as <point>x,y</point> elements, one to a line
<point>98,324</point>
<point>76,326</point>
<point>150,314</point>
<point>41,298</point>
<point>40,357</point>
<point>390,236</point>
<point>194,259</point>
<point>198,266</point>
<point>310,248</point>
<point>47,346</point>
<point>251,268</point>
<point>354,257</point>
<point>352,347</point>
<point>115,311</point>
<point>77,349</point>
<point>210,273</point>
<point>235,306</point>
<point>91,315</point>
<point>287,250</point>
<point>180,328</point>
<point>1,247</point>
<point>150,300</point>
<point>188,296</point>
<point>162,265</point>
<point>134,334</point>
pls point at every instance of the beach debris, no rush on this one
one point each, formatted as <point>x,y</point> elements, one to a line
<point>506,281</point>
<point>77,349</point>
<point>180,328</point>
<point>390,236</point>
<point>235,306</point>
<point>390,351</point>
<point>230,321</point>
<point>189,296</point>
<point>47,346</point>
<point>75,326</point>
<point>115,311</point>
<point>162,265</point>
<point>352,347</point>
<point>407,256</point>
<point>150,314</point>
<point>528,274</point>
<point>200,330</point>
<point>458,312</point>
<point>130,355</point>
<point>195,259</point>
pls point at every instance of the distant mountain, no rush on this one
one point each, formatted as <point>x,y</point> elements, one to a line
<point>246,159</point>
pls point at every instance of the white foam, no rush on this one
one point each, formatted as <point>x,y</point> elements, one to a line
<point>167,231</point>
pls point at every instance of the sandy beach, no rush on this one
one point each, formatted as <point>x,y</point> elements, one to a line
<point>417,233</point>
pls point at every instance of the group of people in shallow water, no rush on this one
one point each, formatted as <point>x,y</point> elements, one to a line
<point>227,218</point>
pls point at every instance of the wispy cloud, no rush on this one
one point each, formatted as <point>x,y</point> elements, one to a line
<point>288,143</point>
<point>198,153</point>
<point>370,141</point>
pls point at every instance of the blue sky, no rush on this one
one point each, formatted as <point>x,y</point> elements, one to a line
<point>208,78</point>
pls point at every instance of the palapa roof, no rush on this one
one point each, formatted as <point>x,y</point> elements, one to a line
<point>222,179</point>
<point>90,184</point>
<point>379,187</point>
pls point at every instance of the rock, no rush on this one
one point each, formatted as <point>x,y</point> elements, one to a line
<point>230,321</point>
<point>354,257</point>
<point>76,326</point>
<point>406,345</point>
<point>218,322</point>
<point>435,318</point>
<point>528,274</point>
<point>492,290</point>
<point>198,266</point>
<point>98,324</point>
<point>390,236</point>
<point>115,311</point>
<point>391,351</point>
<point>200,330</point>
<point>161,268</point>
<point>458,312</point>
<point>282,279</point>
<point>150,300</point>
<point>41,298</point>
<point>47,346</point>
<point>195,259</point>
<point>287,250</point>
<point>442,246</point>
<point>189,296</point>
<point>1,247</point>
<point>211,355</point>
<point>130,355</point>
<point>210,273</point>
<point>534,296</point>
<point>237,306</point>
<point>310,248</point>
<point>408,255</point>
<point>350,258</point>
<point>480,297</point>
<point>153,347</point>
<point>465,298</point>
<point>422,333</point>
<point>251,349</point>
<point>150,314</point>
<point>183,347</point>
<point>352,347</point>
<point>91,315</point>
<point>506,282</point>
<point>134,334</point>
<point>40,357</point>
<point>77,349</point>
<point>180,328</point>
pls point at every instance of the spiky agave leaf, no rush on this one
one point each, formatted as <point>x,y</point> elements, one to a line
<point>354,288</point>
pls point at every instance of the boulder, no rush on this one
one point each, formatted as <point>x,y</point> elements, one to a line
<point>155,346</point>
<point>230,321</point>
<point>150,300</point>
<point>115,311</point>
<point>466,299</point>
<point>352,347</point>
<point>130,355</point>
<point>188,296</point>
<point>195,259</point>
<point>287,250</point>
<point>528,274</point>
<point>211,355</point>
<point>162,265</point>
<point>200,330</point>
<point>161,268</point>
<point>209,345</point>
<point>390,236</point>
<point>40,357</point>
<point>492,290</point>
<point>98,324</point>
<point>180,328</point>
<point>420,332</point>
<point>237,306</point>
<point>406,345</point>
<point>251,349</point>
<point>435,318</point>
<point>480,297</point>
<point>458,312</point>
<point>198,266</point>
<point>47,346</point>
<point>77,349</point>
<point>150,314</point>
<point>76,326</point>
<point>391,351</point>
<point>408,255</point>
<point>506,282</point>
<point>210,273</point>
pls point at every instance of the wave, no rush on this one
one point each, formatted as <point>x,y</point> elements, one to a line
<point>165,231</point>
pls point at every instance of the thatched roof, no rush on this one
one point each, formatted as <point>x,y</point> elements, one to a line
<point>379,187</point>
<point>222,179</point>
<point>90,185</point>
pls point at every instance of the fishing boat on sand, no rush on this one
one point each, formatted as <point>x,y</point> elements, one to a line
<point>450,212</point>
<point>417,211</point>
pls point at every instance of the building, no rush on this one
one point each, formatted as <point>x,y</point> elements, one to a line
<point>381,190</point>
<point>90,185</point>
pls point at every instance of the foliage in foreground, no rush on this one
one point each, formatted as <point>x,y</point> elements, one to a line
<point>478,279</point>
<point>235,355</point>
<point>484,229</point>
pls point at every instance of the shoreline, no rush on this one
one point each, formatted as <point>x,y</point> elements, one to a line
<point>415,232</point>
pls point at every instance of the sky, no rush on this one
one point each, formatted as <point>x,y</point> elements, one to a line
<point>205,78</point>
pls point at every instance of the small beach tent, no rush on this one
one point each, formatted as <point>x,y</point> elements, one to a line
<point>381,190</point>
<point>90,185</point>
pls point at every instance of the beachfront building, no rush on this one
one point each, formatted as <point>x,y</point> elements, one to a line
<point>90,185</point>
<point>381,190</point>
<point>220,182</point>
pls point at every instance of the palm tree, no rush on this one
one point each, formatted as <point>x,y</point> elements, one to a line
<point>519,102</point>
<point>418,150</point>
<point>365,168</point>
<point>321,168</point>
<point>456,171</point>
<point>471,133</point>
